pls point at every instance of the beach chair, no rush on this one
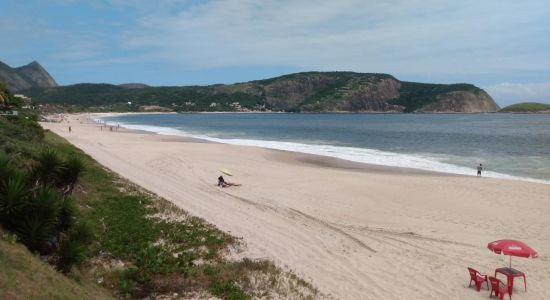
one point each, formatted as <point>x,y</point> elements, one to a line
<point>477,278</point>
<point>498,288</point>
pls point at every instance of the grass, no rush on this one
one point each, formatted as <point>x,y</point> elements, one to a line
<point>25,276</point>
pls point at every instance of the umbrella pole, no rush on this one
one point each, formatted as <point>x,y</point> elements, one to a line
<point>510,261</point>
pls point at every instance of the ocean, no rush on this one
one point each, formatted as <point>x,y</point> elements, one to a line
<point>514,146</point>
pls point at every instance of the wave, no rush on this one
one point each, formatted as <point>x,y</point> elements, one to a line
<point>361,155</point>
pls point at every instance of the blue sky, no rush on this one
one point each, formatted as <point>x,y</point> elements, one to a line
<point>502,46</point>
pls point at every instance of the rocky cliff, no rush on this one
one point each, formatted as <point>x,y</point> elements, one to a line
<point>25,77</point>
<point>462,101</point>
<point>330,91</point>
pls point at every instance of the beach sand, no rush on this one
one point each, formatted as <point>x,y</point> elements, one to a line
<point>355,231</point>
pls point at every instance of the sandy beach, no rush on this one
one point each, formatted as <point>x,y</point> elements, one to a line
<point>355,231</point>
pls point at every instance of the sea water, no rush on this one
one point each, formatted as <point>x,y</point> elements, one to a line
<point>515,146</point>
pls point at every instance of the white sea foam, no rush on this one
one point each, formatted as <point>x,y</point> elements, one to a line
<point>362,155</point>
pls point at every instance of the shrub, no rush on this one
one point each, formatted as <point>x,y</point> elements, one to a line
<point>70,172</point>
<point>36,233</point>
<point>228,290</point>
<point>73,248</point>
<point>46,204</point>
<point>6,168</point>
<point>14,194</point>
<point>47,168</point>
<point>67,211</point>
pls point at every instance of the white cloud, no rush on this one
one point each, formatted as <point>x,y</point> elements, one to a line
<point>429,39</point>
<point>390,36</point>
<point>509,93</point>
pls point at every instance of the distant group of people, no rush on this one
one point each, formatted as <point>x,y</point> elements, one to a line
<point>111,128</point>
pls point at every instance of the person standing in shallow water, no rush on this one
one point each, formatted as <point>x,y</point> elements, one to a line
<point>479,169</point>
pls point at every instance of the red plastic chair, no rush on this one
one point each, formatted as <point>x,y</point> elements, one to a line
<point>498,288</point>
<point>477,278</point>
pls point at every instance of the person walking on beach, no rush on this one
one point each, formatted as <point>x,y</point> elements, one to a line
<point>69,129</point>
<point>479,169</point>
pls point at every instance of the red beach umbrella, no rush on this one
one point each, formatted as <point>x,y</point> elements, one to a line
<point>512,248</point>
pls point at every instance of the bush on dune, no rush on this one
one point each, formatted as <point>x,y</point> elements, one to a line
<point>37,206</point>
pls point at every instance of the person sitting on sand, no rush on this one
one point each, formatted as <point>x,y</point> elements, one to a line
<point>222,183</point>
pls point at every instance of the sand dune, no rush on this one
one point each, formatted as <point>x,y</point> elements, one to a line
<point>355,231</point>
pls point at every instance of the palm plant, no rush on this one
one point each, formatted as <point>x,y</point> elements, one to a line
<point>35,233</point>
<point>69,174</point>
<point>48,167</point>
<point>6,168</point>
<point>73,247</point>
<point>45,204</point>
<point>14,196</point>
<point>39,220</point>
<point>37,206</point>
<point>67,213</point>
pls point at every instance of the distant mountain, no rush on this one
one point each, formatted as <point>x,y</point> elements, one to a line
<point>528,107</point>
<point>299,92</point>
<point>25,77</point>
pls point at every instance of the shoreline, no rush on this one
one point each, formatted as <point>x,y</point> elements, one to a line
<point>434,166</point>
<point>352,231</point>
<point>308,158</point>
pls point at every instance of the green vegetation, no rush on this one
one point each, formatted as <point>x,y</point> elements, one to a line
<point>299,92</point>
<point>527,107</point>
<point>337,87</point>
<point>36,208</point>
<point>305,75</point>
<point>413,95</point>
<point>35,192</point>
<point>94,226</point>
<point>106,97</point>
<point>145,245</point>
<point>7,100</point>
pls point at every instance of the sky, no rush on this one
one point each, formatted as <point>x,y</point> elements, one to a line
<point>502,46</point>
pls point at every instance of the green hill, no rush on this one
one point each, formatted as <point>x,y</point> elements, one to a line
<point>298,92</point>
<point>531,107</point>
